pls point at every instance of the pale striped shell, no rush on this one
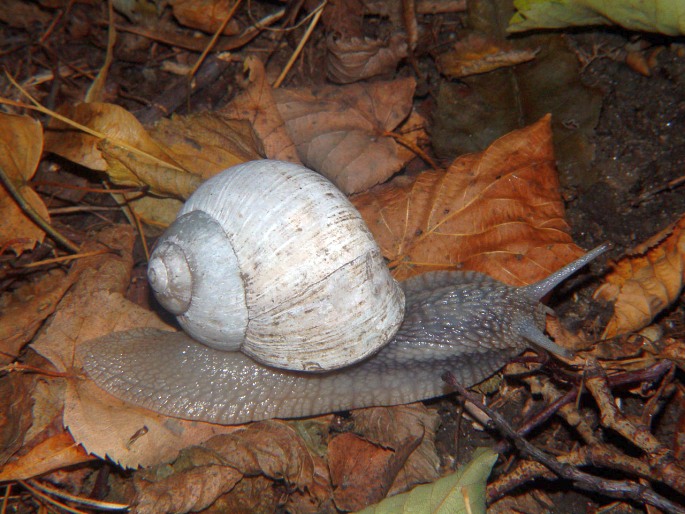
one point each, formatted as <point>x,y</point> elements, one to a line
<point>270,258</point>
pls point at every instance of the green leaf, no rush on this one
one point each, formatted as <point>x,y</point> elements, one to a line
<point>663,16</point>
<point>448,495</point>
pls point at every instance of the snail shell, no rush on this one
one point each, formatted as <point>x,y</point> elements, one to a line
<point>270,258</point>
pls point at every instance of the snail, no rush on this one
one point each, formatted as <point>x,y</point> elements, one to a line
<point>290,311</point>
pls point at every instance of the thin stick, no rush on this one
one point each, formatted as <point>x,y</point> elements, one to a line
<point>198,45</point>
<point>132,216</point>
<point>33,214</point>
<point>80,208</point>
<point>66,258</point>
<point>97,87</point>
<point>141,232</point>
<point>49,500</point>
<point>300,46</point>
<point>414,148</point>
<point>16,367</point>
<point>87,189</point>
<point>5,499</point>
<point>97,504</point>
<point>292,7</point>
<point>214,39</point>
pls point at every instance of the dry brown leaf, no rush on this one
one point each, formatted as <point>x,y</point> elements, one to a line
<point>361,471</point>
<point>256,104</point>
<point>192,490</point>
<point>344,17</point>
<point>251,494</point>
<point>498,212</point>
<point>23,310</point>
<point>95,306</point>
<point>205,15</point>
<point>270,448</point>
<point>679,436</point>
<point>352,59</point>
<point>56,452</point>
<point>21,145</point>
<point>530,502</point>
<point>477,54</point>
<point>15,415</point>
<point>391,427</point>
<point>172,159</point>
<point>164,175</point>
<point>35,438</point>
<point>111,120</point>
<point>675,351</point>
<point>646,281</point>
<point>206,143</point>
<point>318,495</point>
<point>341,131</point>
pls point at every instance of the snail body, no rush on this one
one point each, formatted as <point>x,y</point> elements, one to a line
<point>402,337</point>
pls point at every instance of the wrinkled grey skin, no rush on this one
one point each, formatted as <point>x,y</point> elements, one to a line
<point>464,322</point>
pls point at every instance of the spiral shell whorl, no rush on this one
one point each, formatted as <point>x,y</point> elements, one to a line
<point>194,270</point>
<point>170,278</point>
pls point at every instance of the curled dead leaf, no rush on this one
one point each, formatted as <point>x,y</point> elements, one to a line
<point>193,489</point>
<point>352,59</point>
<point>205,15</point>
<point>172,159</point>
<point>201,474</point>
<point>646,281</point>
<point>392,427</point>
<point>56,452</point>
<point>21,146</point>
<point>477,54</point>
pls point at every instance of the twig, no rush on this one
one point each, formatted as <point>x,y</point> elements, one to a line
<point>88,502</point>
<point>413,147</point>
<point>66,258</point>
<point>33,214</point>
<point>300,46</point>
<point>660,458</point>
<point>46,498</point>
<point>214,39</point>
<point>88,189</point>
<point>622,489</point>
<point>96,90</point>
<point>197,44</point>
<point>132,216</point>
<point>5,498</point>
<point>559,401</point>
<point>80,208</point>
<point>16,367</point>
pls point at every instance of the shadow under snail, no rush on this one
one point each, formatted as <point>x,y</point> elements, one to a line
<point>289,310</point>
